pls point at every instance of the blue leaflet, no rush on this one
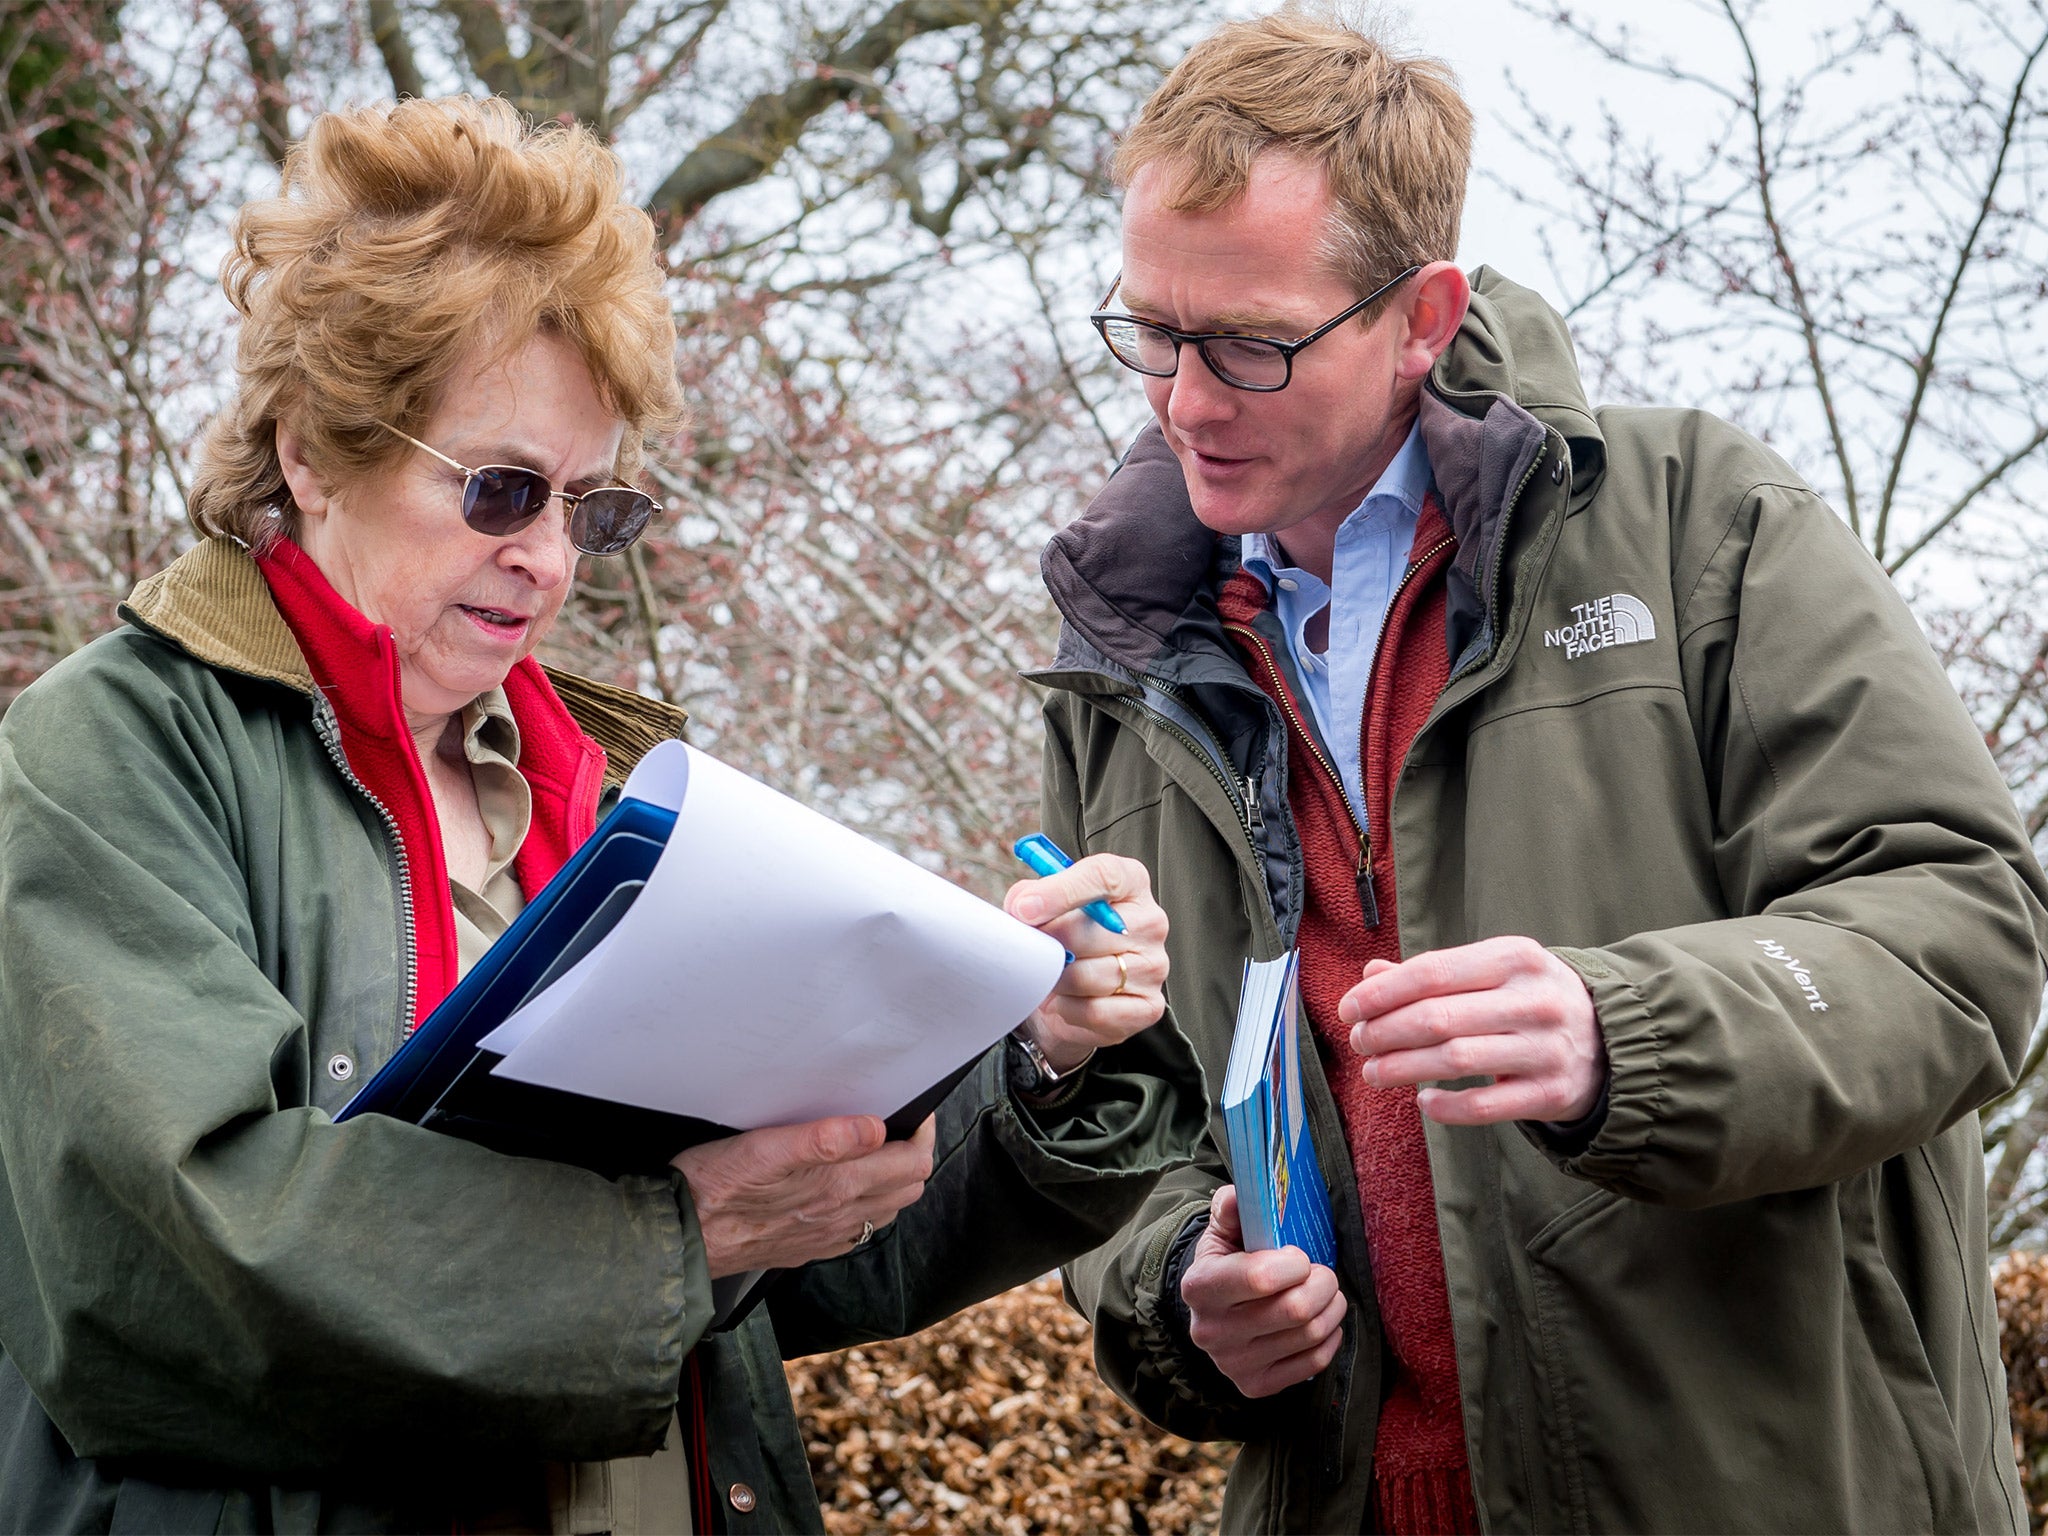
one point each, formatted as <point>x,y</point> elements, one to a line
<point>1282,1200</point>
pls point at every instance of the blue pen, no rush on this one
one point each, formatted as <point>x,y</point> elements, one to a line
<point>1046,858</point>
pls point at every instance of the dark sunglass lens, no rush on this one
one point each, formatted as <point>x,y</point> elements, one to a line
<point>1253,364</point>
<point>501,499</point>
<point>606,521</point>
<point>1137,345</point>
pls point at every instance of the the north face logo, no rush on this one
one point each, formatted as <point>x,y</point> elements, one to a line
<point>1616,620</point>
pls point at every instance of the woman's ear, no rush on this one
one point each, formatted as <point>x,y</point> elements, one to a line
<point>309,490</point>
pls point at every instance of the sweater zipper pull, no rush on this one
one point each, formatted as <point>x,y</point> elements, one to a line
<point>1366,898</point>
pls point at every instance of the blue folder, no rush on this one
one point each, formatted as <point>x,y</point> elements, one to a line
<point>561,924</point>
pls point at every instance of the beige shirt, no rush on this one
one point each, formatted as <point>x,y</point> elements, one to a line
<point>634,1495</point>
<point>490,740</point>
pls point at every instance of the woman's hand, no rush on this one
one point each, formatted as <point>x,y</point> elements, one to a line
<point>1116,985</point>
<point>788,1194</point>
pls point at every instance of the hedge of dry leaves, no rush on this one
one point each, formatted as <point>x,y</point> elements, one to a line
<point>995,1422</point>
<point>2021,1280</point>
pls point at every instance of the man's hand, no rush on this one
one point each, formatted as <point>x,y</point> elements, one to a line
<point>775,1198</point>
<point>1116,985</point>
<point>1267,1319</point>
<point>1503,1008</point>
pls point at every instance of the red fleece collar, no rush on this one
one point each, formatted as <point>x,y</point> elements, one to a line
<point>355,665</point>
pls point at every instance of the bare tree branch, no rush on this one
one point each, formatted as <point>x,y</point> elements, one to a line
<point>1962,503</point>
<point>1754,105</point>
<point>2024,688</point>
<point>64,625</point>
<point>81,284</point>
<point>486,46</point>
<point>648,608</point>
<point>679,58</point>
<point>1965,259</point>
<point>766,128</point>
<point>387,31</point>
<point>269,71</point>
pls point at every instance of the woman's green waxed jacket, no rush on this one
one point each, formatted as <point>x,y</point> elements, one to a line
<point>220,1310</point>
<point>1693,741</point>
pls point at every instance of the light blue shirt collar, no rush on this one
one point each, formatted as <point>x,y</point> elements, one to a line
<point>1368,560</point>
<point>1406,480</point>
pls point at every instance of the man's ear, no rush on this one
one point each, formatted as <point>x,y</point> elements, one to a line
<point>309,488</point>
<point>1436,308</point>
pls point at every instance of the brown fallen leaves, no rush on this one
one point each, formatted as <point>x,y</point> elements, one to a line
<point>2021,1280</point>
<point>995,1422</point>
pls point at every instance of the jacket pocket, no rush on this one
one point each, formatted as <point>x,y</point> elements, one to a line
<point>1554,1350</point>
<point>1898,1355</point>
<point>1733,1369</point>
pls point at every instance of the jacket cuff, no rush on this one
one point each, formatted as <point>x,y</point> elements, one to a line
<point>697,1306</point>
<point>1177,1320</point>
<point>1623,1125</point>
<point>1163,1314</point>
<point>1568,1138</point>
<point>1136,1109</point>
<point>1061,1094</point>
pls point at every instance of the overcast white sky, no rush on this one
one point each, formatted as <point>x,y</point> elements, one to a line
<point>1488,41</point>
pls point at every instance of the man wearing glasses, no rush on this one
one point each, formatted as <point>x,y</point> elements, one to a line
<point>1662,920</point>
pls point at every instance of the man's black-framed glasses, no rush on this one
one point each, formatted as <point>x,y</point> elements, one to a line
<point>1259,363</point>
<point>502,499</point>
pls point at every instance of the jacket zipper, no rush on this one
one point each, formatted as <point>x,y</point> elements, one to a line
<point>1363,872</point>
<point>1500,554</point>
<point>1372,676</point>
<point>330,737</point>
<point>1240,794</point>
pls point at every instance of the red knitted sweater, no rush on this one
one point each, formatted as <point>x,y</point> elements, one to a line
<point>1420,1478</point>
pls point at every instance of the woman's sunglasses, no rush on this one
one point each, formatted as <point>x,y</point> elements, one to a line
<point>501,499</point>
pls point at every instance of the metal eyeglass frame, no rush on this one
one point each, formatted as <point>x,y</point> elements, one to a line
<point>1102,317</point>
<point>569,498</point>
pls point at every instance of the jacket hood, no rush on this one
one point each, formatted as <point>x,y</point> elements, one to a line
<point>1129,571</point>
<point>214,603</point>
<point>1515,346</point>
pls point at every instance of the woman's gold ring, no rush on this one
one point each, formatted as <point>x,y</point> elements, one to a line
<point>1123,977</point>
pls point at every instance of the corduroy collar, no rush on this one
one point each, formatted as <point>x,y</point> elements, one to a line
<point>214,602</point>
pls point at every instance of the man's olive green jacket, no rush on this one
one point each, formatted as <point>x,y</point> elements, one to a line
<point>220,1309</point>
<point>1694,741</point>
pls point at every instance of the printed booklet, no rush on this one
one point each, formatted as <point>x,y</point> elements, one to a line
<point>1281,1198</point>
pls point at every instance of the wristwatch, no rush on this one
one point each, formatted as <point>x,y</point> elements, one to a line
<point>1031,1072</point>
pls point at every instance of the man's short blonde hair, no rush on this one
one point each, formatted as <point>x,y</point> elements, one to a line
<point>1390,131</point>
<point>403,239</point>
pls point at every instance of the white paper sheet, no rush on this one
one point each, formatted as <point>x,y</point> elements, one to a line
<point>777,968</point>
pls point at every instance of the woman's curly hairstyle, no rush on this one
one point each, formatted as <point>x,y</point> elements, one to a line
<point>403,239</point>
